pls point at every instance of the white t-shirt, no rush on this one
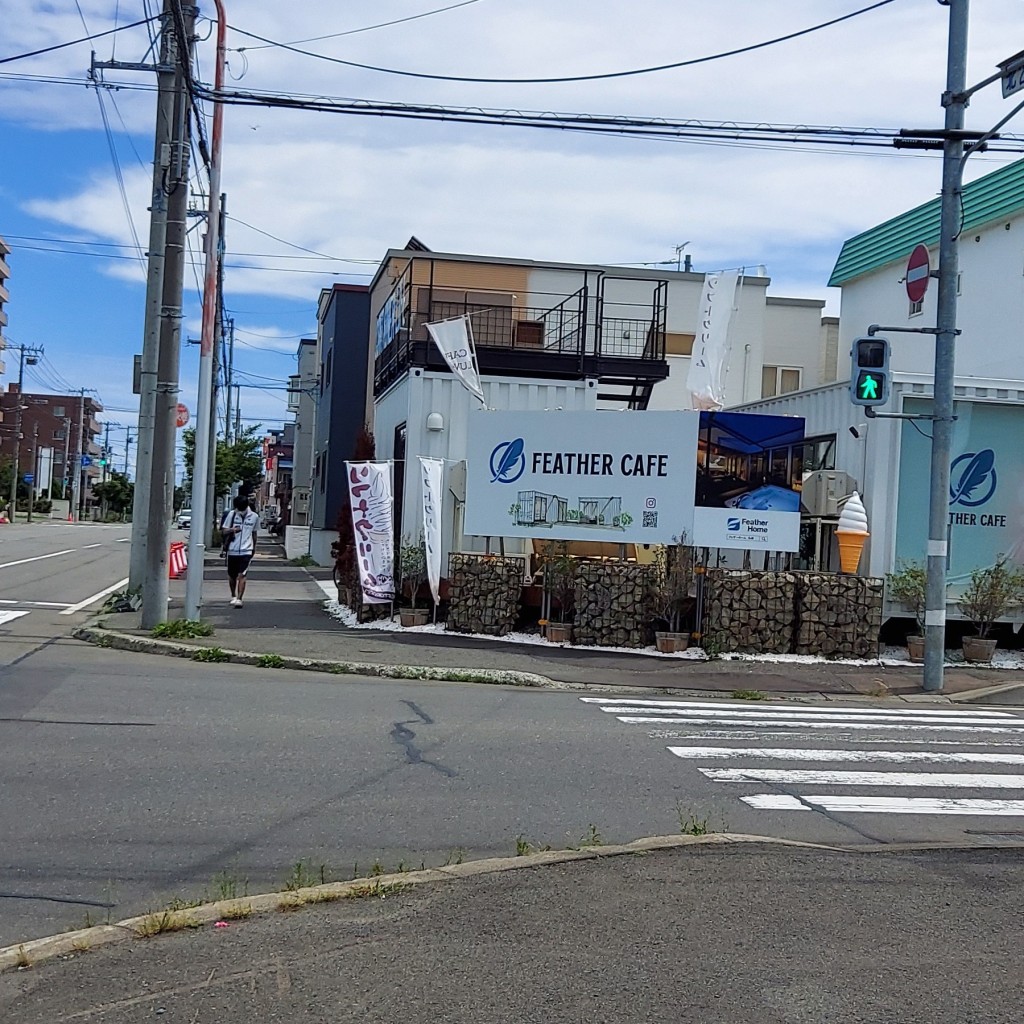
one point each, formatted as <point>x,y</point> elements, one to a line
<point>243,542</point>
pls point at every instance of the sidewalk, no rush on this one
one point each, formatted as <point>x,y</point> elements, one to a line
<point>283,614</point>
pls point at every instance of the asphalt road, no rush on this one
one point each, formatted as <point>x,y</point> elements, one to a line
<point>132,780</point>
<point>51,575</point>
<point>748,935</point>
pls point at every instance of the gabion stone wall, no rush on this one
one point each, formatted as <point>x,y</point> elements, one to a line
<point>612,604</point>
<point>752,612</point>
<point>484,593</point>
<point>839,616</point>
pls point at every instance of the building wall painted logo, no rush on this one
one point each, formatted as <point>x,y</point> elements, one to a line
<point>972,478</point>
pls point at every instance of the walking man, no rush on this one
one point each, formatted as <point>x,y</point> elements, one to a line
<point>239,532</point>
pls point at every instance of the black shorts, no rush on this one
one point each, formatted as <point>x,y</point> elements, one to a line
<point>238,565</point>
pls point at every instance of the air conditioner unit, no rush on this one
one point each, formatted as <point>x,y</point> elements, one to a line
<point>823,490</point>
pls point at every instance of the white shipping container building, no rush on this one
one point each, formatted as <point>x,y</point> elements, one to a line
<point>888,459</point>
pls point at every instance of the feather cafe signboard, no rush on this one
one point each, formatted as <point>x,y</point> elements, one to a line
<point>596,476</point>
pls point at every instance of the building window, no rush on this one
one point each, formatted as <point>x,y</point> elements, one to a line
<point>779,380</point>
<point>917,307</point>
<point>819,453</point>
<point>58,411</point>
<point>328,368</point>
<point>58,435</point>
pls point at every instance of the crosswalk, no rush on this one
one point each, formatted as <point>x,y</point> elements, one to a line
<point>931,758</point>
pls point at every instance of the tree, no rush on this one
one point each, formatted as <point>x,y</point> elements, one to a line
<point>241,459</point>
<point>116,493</point>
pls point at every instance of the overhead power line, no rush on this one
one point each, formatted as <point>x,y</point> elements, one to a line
<point>551,80</point>
<point>74,42</point>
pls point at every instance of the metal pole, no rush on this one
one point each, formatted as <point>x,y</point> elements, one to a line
<point>945,349</point>
<point>17,433</point>
<point>229,379</point>
<point>161,477</point>
<point>75,511</point>
<point>127,448</point>
<point>103,469</point>
<point>67,456</point>
<point>218,338</point>
<point>204,410</point>
<point>35,480</point>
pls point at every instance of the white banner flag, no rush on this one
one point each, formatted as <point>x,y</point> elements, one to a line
<point>454,341</point>
<point>433,474</point>
<point>369,488</point>
<point>710,359</point>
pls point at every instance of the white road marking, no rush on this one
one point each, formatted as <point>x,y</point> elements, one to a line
<point>34,604</point>
<point>809,709</point>
<point>328,587</point>
<point>95,597</point>
<point>10,616</point>
<point>87,546</point>
<point>961,718</point>
<point>38,558</point>
<point>807,777</point>
<point>836,726</point>
<point>804,754</point>
<point>885,805</point>
<point>123,540</point>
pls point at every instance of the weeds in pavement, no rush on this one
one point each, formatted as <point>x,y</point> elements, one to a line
<point>270,661</point>
<point>226,887</point>
<point>182,629</point>
<point>748,695</point>
<point>164,921</point>
<point>304,876</point>
<point>691,825</point>
<point>524,848</point>
<point>81,946</point>
<point>22,961</point>
<point>304,561</point>
<point>590,838</point>
<point>239,913</point>
<point>713,646</point>
<point>210,654</point>
<point>456,856</point>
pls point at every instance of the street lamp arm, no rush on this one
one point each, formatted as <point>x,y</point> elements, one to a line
<point>975,146</point>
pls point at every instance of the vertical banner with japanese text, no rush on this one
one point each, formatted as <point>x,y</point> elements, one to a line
<point>369,485</point>
<point>433,475</point>
<point>710,359</point>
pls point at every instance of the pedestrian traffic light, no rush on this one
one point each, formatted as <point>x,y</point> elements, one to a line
<point>869,374</point>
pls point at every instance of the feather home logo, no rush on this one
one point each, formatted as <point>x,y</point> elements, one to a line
<point>972,478</point>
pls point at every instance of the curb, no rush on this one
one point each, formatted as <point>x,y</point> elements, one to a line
<point>169,648</point>
<point>36,951</point>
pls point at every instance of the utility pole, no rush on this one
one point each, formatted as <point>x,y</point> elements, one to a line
<point>34,481</point>
<point>161,477</point>
<point>205,424</point>
<point>218,341</point>
<point>103,468</point>
<point>26,354</point>
<point>162,182</point>
<point>229,379</point>
<point>127,449</point>
<point>76,480</point>
<point>67,455</point>
<point>238,411</point>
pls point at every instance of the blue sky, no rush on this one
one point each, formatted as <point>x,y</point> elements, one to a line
<point>351,187</point>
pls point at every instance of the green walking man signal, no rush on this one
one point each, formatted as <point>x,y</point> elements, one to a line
<point>869,374</point>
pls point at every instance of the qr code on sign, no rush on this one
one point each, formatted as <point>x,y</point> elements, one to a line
<point>650,519</point>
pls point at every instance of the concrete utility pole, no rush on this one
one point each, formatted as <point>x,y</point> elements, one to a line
<point>67,456</point>
<point>35,469</point>
<point>161,479</point>
<point>218,341</point>
<point>954,100</point>
<point>229,380</point>
<point>154,297</point>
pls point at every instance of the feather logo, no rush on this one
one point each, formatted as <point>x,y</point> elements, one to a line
<point>973,478</point>
<point>507,462</point>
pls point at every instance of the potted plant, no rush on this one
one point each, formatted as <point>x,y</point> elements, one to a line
<point>412,563</point>
<point>560,570</point>
<point>991,593</point>
<point>672,602</point>
<point>906,584</point>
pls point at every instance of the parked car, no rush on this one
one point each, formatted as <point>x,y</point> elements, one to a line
<point>184,519</point>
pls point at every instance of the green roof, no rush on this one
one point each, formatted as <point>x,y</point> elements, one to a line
<point>987,199</point>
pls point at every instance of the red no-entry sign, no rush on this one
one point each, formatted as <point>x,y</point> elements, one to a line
<point>918,273</point>
<point>181,419</point>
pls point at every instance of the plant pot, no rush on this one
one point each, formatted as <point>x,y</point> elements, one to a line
<point>414,616</point>
<point>978,650</point>
<point>559,632</point>
<point>915,648</point>
<point>671,643</point>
